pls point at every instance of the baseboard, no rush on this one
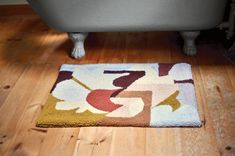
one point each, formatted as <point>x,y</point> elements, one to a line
<point>21,9</point>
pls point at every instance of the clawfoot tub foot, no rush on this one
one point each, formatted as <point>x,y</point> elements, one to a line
<point>78,41</point>
<point>189,42</point>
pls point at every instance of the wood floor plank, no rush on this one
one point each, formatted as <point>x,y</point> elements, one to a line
<point>115,43</point>
<point>123,144</point>
<point>10,73</point>
<point>94,141</point>
<point>59,142</point>
<point>157,47</point>
<point>20,125</point>
<point>87,140</point>
<point>161,141</point>
<point>217,87</point>
<point>105,136</point>
<point>15,102</point>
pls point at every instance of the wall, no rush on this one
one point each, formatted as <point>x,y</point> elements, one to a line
<point>9,2</point>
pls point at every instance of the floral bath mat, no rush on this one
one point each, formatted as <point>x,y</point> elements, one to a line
<point>142,95</point>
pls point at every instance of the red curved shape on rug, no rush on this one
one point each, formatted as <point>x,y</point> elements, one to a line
<point>100,99</point>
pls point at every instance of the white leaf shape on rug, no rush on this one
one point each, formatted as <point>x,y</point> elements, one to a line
<point>186,94</point>
<point>73,96</point>
<point>131,107</point>
<point>96,79</point>
<point>70,91</point>
<point>66,105</point>
<point>181,71</point>
<point>163,116</point>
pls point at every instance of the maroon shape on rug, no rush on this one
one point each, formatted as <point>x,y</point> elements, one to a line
<point>184,81</point>
<point>164,68</point>
<point>124,81</point>
<point>63,75</point>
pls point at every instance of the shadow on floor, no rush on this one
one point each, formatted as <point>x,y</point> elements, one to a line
<point>33,42</point>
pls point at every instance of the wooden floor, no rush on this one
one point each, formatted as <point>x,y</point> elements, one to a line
<point>30,56</point>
